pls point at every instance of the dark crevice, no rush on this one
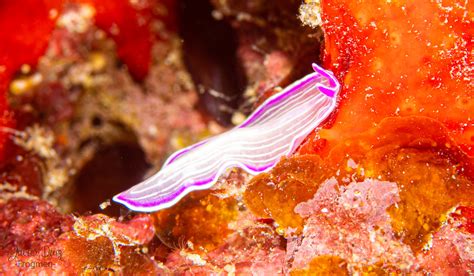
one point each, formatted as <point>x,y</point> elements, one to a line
<point>113,169</point>
<point>210,55</point>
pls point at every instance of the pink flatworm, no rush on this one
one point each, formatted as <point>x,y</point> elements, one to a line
<point>275,129</point>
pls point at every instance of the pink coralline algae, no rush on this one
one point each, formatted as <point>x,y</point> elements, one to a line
<point>451,251</point>
<point>36,239</point>
<point>272,131</point>
<point>254,250</point>
<point>351,224</point>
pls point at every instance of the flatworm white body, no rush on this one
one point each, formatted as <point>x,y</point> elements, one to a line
<point>275,129</point>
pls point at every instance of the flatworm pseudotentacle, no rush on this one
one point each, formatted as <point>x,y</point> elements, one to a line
<point>275,129</point>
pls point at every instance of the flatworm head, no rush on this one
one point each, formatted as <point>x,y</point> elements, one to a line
<point>275,129</point>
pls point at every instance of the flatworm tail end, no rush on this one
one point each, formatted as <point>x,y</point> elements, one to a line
<point>273,130</point>
<point>159,204</point>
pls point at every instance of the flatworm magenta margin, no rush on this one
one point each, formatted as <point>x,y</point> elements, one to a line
<point>275,129</point>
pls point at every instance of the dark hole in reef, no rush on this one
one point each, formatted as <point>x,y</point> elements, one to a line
<point>210,55</point>
<point>97,121</point>
<point>113,169</point>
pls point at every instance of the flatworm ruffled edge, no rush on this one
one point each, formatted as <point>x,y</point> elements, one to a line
<point>174,198</point>
<point>271,101</point>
